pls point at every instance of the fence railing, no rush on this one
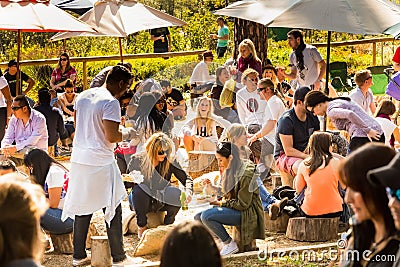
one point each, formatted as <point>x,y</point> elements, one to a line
<point>85,60</point>
<point>372,41</point>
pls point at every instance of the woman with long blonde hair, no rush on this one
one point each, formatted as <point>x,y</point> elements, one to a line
<point>155,193</point>
<point>201,132</point>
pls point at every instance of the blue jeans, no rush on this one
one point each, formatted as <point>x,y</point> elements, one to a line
<point>51,222</point>
<point>266,198</point>
<point>215,219</point>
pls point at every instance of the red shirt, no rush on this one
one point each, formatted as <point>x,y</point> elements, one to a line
<point>396,57</point>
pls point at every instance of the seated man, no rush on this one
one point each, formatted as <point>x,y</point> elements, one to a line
<point>54,121</point>
<point>175,101</point>
<point>294,129</point>
<point>100,77</point>
<point>27,128</point>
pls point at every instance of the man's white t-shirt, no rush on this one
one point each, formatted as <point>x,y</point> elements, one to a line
<point>90,145</point>
<point>3,83</point>
<point>250,107</point>
<point>273,111</point>
<point>388,127</point>
<point>200,74</point>
<point>310,73</point>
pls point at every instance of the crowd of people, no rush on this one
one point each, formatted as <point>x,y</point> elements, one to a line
<point>258,120</point>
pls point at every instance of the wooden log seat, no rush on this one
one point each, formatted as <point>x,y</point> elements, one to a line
<point>277,226</point>
<point>201,162</point>
<point>242,247</point>
<point>101,253</point>
<point>312,229</point>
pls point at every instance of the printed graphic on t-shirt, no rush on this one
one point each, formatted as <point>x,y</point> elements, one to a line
<point>252,105</point>
<point>170,101</point>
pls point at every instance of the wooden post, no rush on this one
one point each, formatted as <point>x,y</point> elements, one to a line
<point>312,229</point>
<point>62,243</point>
<point>84,75</point>
<point>374,54</point>
<point>101,254</point>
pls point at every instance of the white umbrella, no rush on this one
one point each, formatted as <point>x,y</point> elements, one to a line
<point>27,16</point>
<point>121,18</point>
<point>351,16</point>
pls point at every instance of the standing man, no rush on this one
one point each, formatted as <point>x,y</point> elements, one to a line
<point>95,180</point>
<point>162,40</point>
<point>11,77</point>
<point>293,131</point>
<point>363,95</point>
<point>222,37</point>
<point>306,63</point>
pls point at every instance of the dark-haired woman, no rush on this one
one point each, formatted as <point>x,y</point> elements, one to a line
<point>318,176</point>
<point>241,205</point>
<point>373,236</point>
<point>67,99</point>
<point>382,115</point>
<point>53,177</point>
<point>346,115</point>
<point>203,250</point>
<point>61,73</point>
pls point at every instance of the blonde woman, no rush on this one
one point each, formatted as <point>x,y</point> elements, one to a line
<point>201,132</point>
<point>248,57</point>
<point>155,193</point>
<point>20,242</point>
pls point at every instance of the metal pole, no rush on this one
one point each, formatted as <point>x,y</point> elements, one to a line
<point>328,55</point>
<point>18,86</point>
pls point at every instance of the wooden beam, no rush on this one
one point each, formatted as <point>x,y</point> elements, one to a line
<point>84,72</point>
<point>357,42</point>
<point>374,54</point>
<point>107,58</point>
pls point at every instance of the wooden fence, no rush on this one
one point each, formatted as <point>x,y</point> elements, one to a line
<point>85,60</point>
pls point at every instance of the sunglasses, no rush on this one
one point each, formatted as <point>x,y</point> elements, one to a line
<point>310,109</point>
<point>393,193</point>
<point>254,80</point>
<point>161,152</point>
<point>259,89</point>
<point>16,108</point>
<point>370,77</point>
<point>69,92</point>
<point>63,59</point>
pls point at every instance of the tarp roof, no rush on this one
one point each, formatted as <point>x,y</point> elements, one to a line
<point>77,6</point>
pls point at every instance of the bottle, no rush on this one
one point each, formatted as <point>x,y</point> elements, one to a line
<point>183,198</point>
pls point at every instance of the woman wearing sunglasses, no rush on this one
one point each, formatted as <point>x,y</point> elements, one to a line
<point>346,115</point>
<point>241,205</point>
<point>156,193</point>
<point>61,73</point>
<point>373,231</point>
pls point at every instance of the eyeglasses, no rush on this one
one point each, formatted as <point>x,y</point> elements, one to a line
<point>161,152</point>
<point>63,59</point>
<point>16,108</point>
<point>259,89</point>
<point>393,193</point>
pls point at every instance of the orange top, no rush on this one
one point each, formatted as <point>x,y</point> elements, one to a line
<point>321,193</point>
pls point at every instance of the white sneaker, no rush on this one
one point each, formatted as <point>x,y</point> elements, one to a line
<point>81,262</point>
<point>128,261</point>
<point>229,249</point>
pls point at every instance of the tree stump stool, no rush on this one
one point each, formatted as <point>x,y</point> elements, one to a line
<point>242,247</point>
<point>62,243</point>
<point>312,229</point>
<point>286,178</point>
<point>92,232</point>
<point>201,162</point>
<point>276,180</point>
<point>155,219</point>
<point>277,226</point>
<point>101,253</point>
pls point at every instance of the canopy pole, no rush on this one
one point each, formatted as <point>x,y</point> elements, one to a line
<point>18,92</point>
<point>120,49</point>
<point>328,55</point>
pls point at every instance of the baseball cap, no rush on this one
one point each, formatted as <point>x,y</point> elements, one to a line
<point>387,176</point>
<point>300,93</point>
<point>12,62</point>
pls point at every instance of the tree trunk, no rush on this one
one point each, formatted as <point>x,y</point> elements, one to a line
<point>256,32</point>
<point>312,229</point>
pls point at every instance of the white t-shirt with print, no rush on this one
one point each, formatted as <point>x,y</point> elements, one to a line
<point>56,178</point>
<point>250,107</point>
<point>311,70</point>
